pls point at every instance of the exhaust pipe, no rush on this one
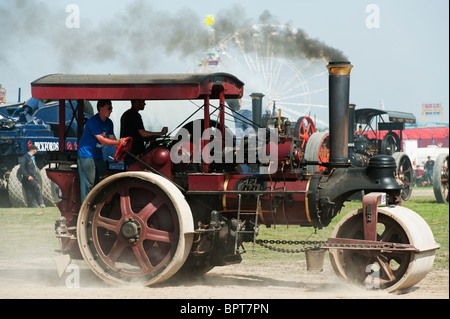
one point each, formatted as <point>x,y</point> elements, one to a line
<point>257,109</point>
<point>339,91</point>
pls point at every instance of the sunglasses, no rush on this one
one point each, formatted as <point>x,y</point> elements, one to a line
<point>108,108</point>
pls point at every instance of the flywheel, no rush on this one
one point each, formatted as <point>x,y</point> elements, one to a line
<point>385,269</point>
<point>135,227</point>
<point>317,149</point>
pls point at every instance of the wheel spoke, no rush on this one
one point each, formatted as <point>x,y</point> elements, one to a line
<point>383,261</point>
<point>157,235</point>
<point>116,251</point>
<point>406,170</point>
<point>388,235</point>
<point>125,202</point>
<point>151,208</point>
<point>142,258</point>
<point>108,224</point>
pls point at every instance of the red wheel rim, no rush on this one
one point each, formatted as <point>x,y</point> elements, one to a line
<point>306,128</point>
<point>324,153</point>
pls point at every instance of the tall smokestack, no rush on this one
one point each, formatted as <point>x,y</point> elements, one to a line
<point>339,91</point>
<point>257,109</point>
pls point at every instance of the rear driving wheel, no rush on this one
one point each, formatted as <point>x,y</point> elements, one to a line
<point>135,227</point>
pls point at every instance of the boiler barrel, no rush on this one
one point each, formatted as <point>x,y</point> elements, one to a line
<point>289,208</point>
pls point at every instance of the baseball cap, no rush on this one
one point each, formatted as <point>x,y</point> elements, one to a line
<point>32,147</point>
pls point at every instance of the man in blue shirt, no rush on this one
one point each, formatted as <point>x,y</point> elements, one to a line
<point>98,131</point>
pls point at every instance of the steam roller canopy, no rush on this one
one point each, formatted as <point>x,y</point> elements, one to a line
<point>384,269</point>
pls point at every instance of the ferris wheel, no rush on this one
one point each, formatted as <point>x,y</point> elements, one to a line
<point>258,56</point>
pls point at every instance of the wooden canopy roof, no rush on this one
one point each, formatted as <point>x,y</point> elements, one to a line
<point>137,86</point>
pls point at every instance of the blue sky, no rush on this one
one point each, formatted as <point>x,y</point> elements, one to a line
<point>401,59</point>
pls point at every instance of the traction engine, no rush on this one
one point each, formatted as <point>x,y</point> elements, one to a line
<point>160,217</point>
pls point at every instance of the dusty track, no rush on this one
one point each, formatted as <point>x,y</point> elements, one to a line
<point>22,277</point>
<point>39,279</point>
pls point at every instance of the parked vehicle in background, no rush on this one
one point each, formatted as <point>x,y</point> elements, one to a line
<point>33,122</point>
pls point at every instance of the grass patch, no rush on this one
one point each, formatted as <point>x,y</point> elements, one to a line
<point>437,217</point>
<point>28,232</point>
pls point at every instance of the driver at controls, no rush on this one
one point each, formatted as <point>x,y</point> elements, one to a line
<point>98,131</point>
<point>131,125</point>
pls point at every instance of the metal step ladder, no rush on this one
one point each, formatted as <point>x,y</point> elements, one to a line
<point>240,224</point>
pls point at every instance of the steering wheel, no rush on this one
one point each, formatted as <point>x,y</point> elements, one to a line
<point>123,149</point>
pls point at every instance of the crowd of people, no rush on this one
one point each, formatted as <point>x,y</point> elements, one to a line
<point>423,174</point>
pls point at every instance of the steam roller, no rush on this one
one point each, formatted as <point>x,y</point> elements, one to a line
<point>160,216</point>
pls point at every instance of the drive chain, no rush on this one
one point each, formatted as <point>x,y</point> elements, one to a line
<point>316,245</point>
<point>267,244</point>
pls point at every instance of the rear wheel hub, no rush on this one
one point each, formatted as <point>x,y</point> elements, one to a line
<point>131,229</point>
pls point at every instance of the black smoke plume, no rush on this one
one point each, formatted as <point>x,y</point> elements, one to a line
<point>138,37</point>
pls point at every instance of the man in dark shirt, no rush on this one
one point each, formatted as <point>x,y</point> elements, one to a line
<point>131,125</point>
<point>29,173</point>
<point>429,164</point>
<point>428,167</point>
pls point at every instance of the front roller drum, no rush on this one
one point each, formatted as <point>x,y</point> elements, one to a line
<point>135,227</point>
<point>388,270</point>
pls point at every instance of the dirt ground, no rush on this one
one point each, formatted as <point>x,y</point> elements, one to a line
<point>39,279</point>
<point>28,278</point>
